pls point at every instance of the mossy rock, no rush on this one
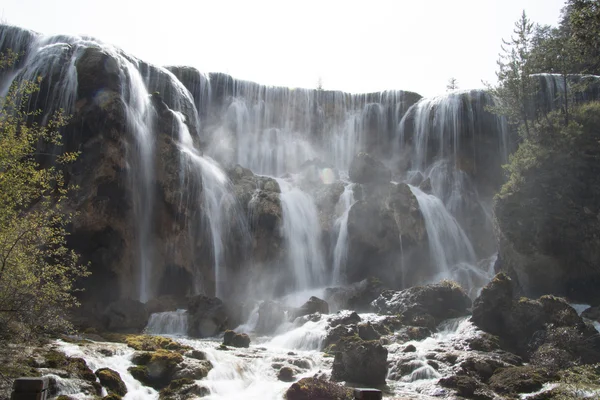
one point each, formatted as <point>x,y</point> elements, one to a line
<point>146,342</point>
<point>112,381</point>
<point>180,389</point>
<point>76,367</point>
<point>156,368</point>
<point>314,388</point>
<point>112,396</point>
<point>525,379</point>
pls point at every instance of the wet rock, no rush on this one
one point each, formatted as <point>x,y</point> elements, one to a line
<point>112,381</point>
<point>425,186</point>
<point>314,388</point>
<point>592,313</point>
<point>195,354</point>
<point>344,318</point>
<point>464,385</point>
<point>425,305</point>
<point>271,314</point>
<point>234,339</point>
<point>518,322</point>
<point>367,332</point>
<point>155,369</point>
<point>409,333</point>
<point>301,363</point>
<point>192,369</point>
<point>362,362</point>
<point>382,227</point>
<point>357,297</point>
<point>338,334</point>
<point>125,316</point>
<point>286,374</point>
<point>183,389</point>
<point>165,303</point>
<point>312,306</point>
<point>526,379</point>
<point>409,349</point>
<point>364,168</point>
<point>207,316</point>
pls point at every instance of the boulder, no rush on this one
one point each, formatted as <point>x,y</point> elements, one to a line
<point>425,305</point>
<point>525,379</point>
<point>271,315</point>
<point>361,362</point>
<point>532,327</point>
<point>183,389</point>
<point>125,316</point>
<point>165,303</point>
<point>367,332</point>
<point>312,306</point>
<point>207,316</point>
<point>364,168</point>
<point>234,339</point>
<point>112,381</point>
<point>286,374</point>
<point>357,296</point>
<point>155,369</point>
<point>314,388</point>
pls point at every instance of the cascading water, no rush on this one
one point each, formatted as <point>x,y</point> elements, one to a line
<point>340,251</point>
<point>218,200</point>
<point>450,248</point>
<point>302,233</point>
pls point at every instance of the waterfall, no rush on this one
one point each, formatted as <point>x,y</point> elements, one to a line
<point>302,233</point>
<point>340,251</point>
<point>168,323</point>
<point>218,201</point>
<point>450,248</point>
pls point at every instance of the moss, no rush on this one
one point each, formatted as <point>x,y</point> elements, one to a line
<point>140,372</point>
<point>313,388</point>
<point>112,381</point>
<point>112,396</point>
<point>525,379</point>
<point>146,342</point>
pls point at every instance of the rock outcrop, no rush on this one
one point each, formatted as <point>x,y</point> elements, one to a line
<point>361,362</point>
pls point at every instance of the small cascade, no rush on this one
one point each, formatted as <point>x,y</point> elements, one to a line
<point>168,323</point>
<point>552,88</point>
<point>302,233</point>
<point>218,201</point>
<point>340,251</point>
<point>450,248</point>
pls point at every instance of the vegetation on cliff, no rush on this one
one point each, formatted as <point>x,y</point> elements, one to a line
<point>37,270</point>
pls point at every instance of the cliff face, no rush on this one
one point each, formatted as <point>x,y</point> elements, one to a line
<point>179,175</point>
<point>547,218</point>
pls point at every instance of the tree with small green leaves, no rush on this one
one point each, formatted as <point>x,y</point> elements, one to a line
<point>37,270</point>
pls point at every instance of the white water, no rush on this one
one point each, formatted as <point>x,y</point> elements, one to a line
<point>340,251</point>
<point>302,234</point>
<point>173,323</point>
<point>449,246</point>
<point>218,200</point>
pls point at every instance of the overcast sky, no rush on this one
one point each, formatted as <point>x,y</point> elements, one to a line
<point>355,46</point>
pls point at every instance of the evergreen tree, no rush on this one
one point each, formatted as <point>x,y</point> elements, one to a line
<point>452,84</point>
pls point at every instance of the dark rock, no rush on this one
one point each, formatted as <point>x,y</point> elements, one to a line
<point>125,316</point>
<point>270,316</point>
<point>361,362</point>
<point>286,374</point>
<point>206,316</point>
<point>464,385</point>
<point>183,389</point>
<point>312,306</point>
<point>357,296</point>
<point>195,354</point>
<point>155,369</point>
<point>524,379</point>
<point>112,381</point>
<point>165,303</point>
<point>592,313</point>
<point>344,318</point>
<point>367,332</point>
<point>425,305</point>
<point>234,339</point>
<point>425,186</point>
<point>301,363</point>
<point>338,334</point>
<point>364,168</point>
<point>314,388</point>
<point>409,349</point>
<point>367,394</point>
<point>524,325</point>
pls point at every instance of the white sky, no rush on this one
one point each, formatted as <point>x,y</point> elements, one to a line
<point>355,46</point>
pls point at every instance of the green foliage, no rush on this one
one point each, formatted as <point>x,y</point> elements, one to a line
<point>583,20</point>
<point>37,271</point>
<point>516,88</point>
<point>550,140</point>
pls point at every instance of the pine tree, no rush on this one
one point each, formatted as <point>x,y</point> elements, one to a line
<point>452,84</point>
